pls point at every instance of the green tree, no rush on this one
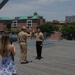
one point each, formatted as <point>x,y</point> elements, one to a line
<point>8,26</point>
<point>49,28</point>
<point>68,31</point>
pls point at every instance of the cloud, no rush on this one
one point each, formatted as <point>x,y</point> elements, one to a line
<point>64,0</point>
<point>27,7</point>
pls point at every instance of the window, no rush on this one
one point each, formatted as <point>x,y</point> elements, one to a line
<point>14,24</point>
<point>29,23</point>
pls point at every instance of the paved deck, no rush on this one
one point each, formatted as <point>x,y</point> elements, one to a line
<point>58,59</point>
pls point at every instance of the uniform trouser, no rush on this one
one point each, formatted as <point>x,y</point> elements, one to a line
<point>39,48</point>
<point>23,54</point>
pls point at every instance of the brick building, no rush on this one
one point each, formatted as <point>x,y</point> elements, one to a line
<point>3,22</point>
<point>70,19</point>
<point>17,22</point>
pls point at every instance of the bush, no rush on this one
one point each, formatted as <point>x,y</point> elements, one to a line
<point>68,31</point>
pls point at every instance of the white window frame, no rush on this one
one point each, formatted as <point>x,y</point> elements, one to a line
<point>29,22</point>
<point>14,24</point>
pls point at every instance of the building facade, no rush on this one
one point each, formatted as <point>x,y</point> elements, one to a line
<point>18,22</point>
<point>70,19</point>
<point>3,23</point>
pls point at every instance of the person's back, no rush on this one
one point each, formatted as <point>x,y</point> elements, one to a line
<point>22,39</point>
<point>22,36</point>
<point>7,66</point>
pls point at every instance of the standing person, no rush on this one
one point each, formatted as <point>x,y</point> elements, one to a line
<point>7,66</point>
<point>22,39</point>
<point>3,34</point>
<point>39,43</point>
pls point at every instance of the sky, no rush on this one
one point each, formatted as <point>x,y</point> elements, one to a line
<point>0,1</point>
<point>49,9</point>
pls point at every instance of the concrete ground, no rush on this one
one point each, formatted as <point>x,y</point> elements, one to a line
<point>58,58</point>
